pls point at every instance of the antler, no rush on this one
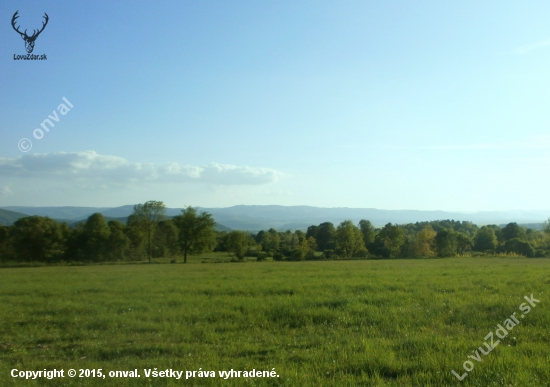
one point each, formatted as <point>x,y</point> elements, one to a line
<point>13,19</point>
<point>35,34</point>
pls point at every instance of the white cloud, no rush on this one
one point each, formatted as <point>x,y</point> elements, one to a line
<point>532,46</point>
<point>91,168</point>
<point>227,174</point>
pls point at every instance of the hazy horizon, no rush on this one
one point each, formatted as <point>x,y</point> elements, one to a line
<point>257,217</point>
<point>296,205</point>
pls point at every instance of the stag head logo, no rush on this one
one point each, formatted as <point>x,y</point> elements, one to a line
<point>29,40</point>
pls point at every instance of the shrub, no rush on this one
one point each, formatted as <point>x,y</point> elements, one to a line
<point>297,255</point>
<point>363,253</point>
<point>278,256</point>
<point>515,245</point>
<point>312,257</point>
<point>251,253</point>
<point>540,254</point>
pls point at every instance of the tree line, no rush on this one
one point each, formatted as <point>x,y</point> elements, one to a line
<point>446,238</point>
<point>149,234</point>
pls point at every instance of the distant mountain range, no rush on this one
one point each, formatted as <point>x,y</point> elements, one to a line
<point>75,215</point>
<point>256,218</point>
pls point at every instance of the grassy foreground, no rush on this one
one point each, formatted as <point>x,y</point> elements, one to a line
<point>347,323</point>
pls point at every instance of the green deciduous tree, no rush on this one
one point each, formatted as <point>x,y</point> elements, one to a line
<point>423,244</point>
<point>37,238</point>
<point>135,232</point>
<point>498,233</point>
<point>546,227</point>
<point>463,243</point>
<point>513,230</point>
<point>238,242</point>
<point>269,240</point>
<point>446,243</point>
<point>392,237</point>
<point>312,244</point>
<point>95,238</point>
<point>118,243</point>
<point>312,232</point>
<point>325,236</point>
<point>517,246</point>
<point>485,239</point>
<point>349,239</point>
<point>367,229</point>
<point>305,250</point>
<point>196,232</point>
<point>148,215</point>
<point>5,243</point>
<point>166,242</point>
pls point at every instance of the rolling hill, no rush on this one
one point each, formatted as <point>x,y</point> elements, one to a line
<point>7,218</point>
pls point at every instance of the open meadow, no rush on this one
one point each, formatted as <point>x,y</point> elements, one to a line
<point>325,323</point>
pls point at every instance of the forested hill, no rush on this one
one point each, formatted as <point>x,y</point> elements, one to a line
<point>296,217</point>
<point>65,212</point>
<point>8,217</point>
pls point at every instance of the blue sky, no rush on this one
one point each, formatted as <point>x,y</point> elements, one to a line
<point>396,105</point>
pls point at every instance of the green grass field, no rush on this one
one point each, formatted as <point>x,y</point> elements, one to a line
<point>344,323</point>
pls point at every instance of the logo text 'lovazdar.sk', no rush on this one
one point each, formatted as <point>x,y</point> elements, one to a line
<point>29,39</point>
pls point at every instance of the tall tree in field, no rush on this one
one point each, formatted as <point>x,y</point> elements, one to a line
<point>196,232</point>
<point>148,216</point>
<point>349,239</point>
